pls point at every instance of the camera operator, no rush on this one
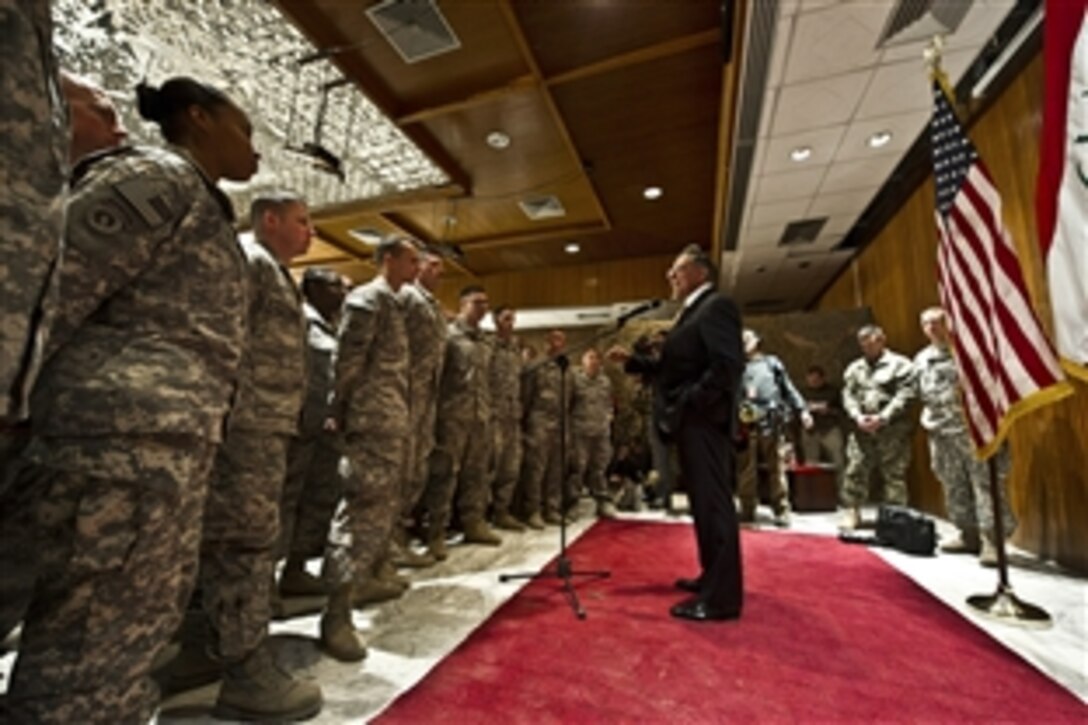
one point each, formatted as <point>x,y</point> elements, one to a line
<point>768,403</point>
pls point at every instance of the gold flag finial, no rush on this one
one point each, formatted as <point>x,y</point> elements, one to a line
<point>933,54</point>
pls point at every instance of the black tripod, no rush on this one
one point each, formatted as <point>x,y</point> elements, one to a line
<point>564,568</point>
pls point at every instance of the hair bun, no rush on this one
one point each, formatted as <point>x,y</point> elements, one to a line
<point>149,102</point>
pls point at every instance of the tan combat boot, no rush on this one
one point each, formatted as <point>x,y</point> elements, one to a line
<point>535,521</point>
<point>962,542</point>
<point>851,519</point>
<point>436,545</point>
<point>506,522</point>
<point>606,509</point>
<point>385,571</point>
<point>295,581</point>
<point>192,666</point>
<point>373,590</point>
<point>338,636</point>
<point>988,551</point>
<point>478,532</point>
<point>257,689</point>
<point>404,555</point>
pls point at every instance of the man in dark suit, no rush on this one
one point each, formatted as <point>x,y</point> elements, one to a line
<point>695,383</point>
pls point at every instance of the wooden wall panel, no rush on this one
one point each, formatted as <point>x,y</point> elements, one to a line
<point>895,276</point>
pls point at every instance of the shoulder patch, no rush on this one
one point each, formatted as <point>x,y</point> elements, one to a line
<point>149,198</point>
<point>106,218</point>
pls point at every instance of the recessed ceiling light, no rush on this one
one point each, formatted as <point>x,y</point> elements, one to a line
<point>880,138</point>
<point>652,193</point>
<point>801,153</point>
<point>498,140</point>
<point>572,248</point>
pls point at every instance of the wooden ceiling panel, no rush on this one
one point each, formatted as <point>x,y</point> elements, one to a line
<point>568,35</point>
<point>488,56</point>
<point>652,124</point>
<point>536,156</point>
<point>322,253</point>
<point>599,247</point>
<point>499,217</point>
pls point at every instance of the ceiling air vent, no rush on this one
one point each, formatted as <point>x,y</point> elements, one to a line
<point>542,207</point>
<point>804,231</point>
<point>911,21</point>
<point>417,29</point>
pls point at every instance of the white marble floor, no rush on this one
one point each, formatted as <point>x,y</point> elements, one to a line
<point>408,637</point>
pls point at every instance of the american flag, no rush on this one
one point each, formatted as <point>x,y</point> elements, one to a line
<point>1006,363</point>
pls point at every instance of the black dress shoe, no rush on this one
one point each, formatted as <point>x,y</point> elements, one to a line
<point>689,585</point>
<point>697,610</point>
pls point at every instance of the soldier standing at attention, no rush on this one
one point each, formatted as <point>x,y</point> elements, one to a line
<point>241,516</point>
<point>591,411</point>
<point>877,389</point>
<point>506,418</point>
<point>460,458</point>
<point>312,488</point>
<point>142,363</point>
<point>371,409</point>
<point>966,480</point>
<point>33,159</point>
<point>541,468</point>
<point>771,398</point>
<point>426,324</point>
<point>95,127</point>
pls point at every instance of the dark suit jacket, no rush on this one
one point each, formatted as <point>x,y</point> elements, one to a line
<point>697,375</point>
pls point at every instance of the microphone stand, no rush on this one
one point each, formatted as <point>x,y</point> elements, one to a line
<point>564,567</point>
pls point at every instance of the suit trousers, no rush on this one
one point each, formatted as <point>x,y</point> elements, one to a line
<point>708,465</point>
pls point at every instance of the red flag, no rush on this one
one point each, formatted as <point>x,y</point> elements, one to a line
<point>1006,363</point>
<point>1061,197</point>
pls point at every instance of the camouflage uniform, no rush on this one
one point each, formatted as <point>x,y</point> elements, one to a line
<point>33,155</point>
<point>426,326</point>
<point>371,406</point>
<point>241,517</point>
<point>767,388</point>
<point>312,487</point>
<point>505,385</point>
<point>140,369</point>
<point>460,458</point>
<point>591,412</point>
<point>541,467</point>
<point>886,388</point>
<point>966,480</point>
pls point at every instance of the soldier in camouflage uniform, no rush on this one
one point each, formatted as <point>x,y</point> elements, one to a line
<point>241,516</point>
<point>965,479</point>
<point>505,387</point>
<point>371,409</point>
<point>591,410</point>
<point>541,468</point>
<point>877,389</point>
<point>143,357</point>
<point>33,154</point>
<point>460,458</point>
<point>95,127</point>
<point>312,487</point>
<point>426,325</point>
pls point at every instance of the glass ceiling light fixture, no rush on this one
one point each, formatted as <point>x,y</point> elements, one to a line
<point>878,139</point>
<point>572,248</point>
<point>801,153</point>
<point>652,193</point>
<point>295,96</point>
<point>498,140</point>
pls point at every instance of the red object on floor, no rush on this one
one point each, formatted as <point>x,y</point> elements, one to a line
<point>829,633</point>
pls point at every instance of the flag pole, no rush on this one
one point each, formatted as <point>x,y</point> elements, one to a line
<point>1003,605</point>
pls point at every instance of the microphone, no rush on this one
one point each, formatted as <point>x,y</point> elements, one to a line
<point>637,310</point>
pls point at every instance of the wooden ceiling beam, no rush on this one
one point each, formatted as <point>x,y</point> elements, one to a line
<point>345,210</point>
<point>549,101</point>
<point>647,54</point>
<point>727,116</point>
<point>513,240</point>
<point>327,259</point>
<point>521,84</point>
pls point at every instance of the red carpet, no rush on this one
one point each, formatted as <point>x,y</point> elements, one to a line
<point>830,633</point>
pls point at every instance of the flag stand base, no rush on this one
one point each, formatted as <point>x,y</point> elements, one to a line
<point>1004,606</point>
